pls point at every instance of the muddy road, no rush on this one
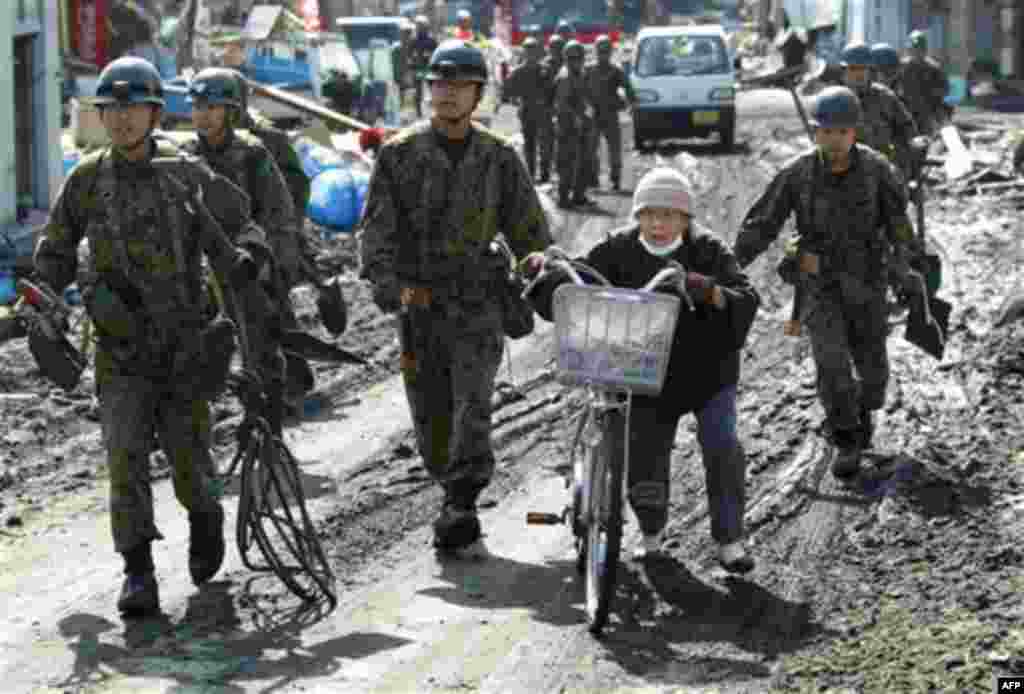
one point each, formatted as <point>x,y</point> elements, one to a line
<point>907,582</point>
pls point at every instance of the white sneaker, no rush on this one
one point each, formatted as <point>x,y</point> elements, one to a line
<point>733,558</point>
<point>649,546</point>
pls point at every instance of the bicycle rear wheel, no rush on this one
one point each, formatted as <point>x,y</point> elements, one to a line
<point>280,524</point>
<point>603,514</point>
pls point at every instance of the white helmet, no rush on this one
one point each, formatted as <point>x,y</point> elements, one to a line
<point>463,14</point>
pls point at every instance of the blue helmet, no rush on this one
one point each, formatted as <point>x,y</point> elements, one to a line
<point>884,56</point>
<point>855,53</point>
<point>216,86</point>
<point>457,60</point>
<point>836,107</point>
<point>129,80</point>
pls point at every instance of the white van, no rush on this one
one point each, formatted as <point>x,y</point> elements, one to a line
<point>685,84</point>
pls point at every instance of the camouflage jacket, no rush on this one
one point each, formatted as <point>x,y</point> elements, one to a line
<point>146,234</point>
<point>603,83</point>
<point>246,162</point>
<point>531,84</point>
<point>573,107</point>
<point>923,84</point>
<point>848,220</point>
<point>429,223</point>
<point>554,67</point>
<point>887,126</point>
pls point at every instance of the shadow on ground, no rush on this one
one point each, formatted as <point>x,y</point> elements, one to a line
<point>663,606</point>
<point>206,650</point>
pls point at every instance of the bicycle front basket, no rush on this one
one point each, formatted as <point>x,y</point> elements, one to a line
<point>613,337</point>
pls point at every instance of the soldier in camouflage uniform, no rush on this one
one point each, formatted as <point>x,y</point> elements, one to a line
<point>531,84</point>
<point>887,126</point>
<point>850,207</point>
<point>552,66</point>
<point>148,229</point>
<point>924,85</point>
<point>215,95</point>
<point>574,115</point>
<point>440,193</point>
<point>604,81</point>
<point>296,258</point>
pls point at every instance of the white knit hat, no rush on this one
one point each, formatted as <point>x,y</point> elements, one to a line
<point>662,187</point>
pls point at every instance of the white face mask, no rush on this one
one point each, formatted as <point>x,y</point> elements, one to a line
<point>661,251</point>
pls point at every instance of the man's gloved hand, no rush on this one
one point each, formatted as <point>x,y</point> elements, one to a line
<point>913,283</point>
<point>245,269</point>
<point>387,296</point>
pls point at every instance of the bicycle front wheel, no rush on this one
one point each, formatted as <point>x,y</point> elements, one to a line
<point>604,519</point>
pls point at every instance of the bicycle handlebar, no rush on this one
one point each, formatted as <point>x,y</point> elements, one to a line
<point>558,259</point>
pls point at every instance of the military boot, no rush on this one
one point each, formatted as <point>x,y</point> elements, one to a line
<point>139,592</point>
<point>205,543</point>
<point>140,595</point>
<point>458,526</point>
<point>846,463</point>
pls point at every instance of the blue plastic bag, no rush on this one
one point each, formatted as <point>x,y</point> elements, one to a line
<point>318,159</point>
<point>332,201</point>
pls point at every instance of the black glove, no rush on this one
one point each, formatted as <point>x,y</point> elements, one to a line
<point>245,269</point>
<point>387,296</point>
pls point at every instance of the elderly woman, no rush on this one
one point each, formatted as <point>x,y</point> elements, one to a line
<point>704,365</point>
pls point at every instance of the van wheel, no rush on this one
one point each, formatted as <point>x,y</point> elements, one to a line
<point>638,144</point>
<point>728,135</point>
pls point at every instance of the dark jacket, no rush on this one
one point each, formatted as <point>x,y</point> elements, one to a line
<point>705,350</point>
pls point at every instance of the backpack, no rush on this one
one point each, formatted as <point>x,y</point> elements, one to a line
<point>280,147</point>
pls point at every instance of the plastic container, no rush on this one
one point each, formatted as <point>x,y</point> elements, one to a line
<point>71,160</point>
<point>613,338</point>
<point>8,293</point>
<point>332,201</point>
<point>957,91</point>
<point>72,296</point>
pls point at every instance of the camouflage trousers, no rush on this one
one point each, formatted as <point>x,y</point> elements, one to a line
<point>546,145</point>
<point>136,412</point>
<point>574,159</point>
<point>653,427</point>
<point>608,127</point>
<point>848,341</point>
<point>455,351</point>
<point>531,122</point>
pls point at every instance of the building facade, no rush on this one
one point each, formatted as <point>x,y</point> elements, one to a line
<point>31,169</point>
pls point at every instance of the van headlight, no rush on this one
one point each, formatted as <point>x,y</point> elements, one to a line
<point>646,96</point>
<point>722,94</point>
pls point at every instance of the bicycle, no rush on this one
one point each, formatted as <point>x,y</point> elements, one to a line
<point>614,343</point>
<point>271,503</point>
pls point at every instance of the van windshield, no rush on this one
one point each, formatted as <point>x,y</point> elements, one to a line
<point>360,35</point>
<point>658,56</point>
